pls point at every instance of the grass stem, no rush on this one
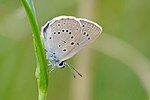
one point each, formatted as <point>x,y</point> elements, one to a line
<point>42,70</point>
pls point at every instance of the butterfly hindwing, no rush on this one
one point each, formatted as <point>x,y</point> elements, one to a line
<point>89,32</point>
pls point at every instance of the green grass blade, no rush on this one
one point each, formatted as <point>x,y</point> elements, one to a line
<point>41,72</point>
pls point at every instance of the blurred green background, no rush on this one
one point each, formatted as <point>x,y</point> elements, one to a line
<point>118,65</point>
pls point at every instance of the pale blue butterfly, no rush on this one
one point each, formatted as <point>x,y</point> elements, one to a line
<point>64,36</point>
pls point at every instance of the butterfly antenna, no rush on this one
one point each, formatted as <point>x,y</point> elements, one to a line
<point>71,68</point>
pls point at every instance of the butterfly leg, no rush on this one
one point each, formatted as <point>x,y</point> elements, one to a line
<point>52,68</point>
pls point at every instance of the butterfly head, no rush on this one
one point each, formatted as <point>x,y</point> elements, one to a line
<point>61,65</point>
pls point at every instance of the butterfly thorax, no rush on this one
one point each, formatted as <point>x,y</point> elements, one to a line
<point>54,60</point>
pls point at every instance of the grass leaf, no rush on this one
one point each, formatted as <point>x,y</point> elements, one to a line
<point>42,71</point>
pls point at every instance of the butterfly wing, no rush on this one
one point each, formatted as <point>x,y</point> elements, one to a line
<point>89,32</point>
<point>61,35</point>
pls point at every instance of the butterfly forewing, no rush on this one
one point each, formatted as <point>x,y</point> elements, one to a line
<point>89,32</point>
<point>62,35</point>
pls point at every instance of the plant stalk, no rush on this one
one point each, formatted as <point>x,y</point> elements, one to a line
<point>42,69</point>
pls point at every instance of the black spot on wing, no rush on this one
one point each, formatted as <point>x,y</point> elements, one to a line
<point>71,37</point>
<point>63,30</point>
<point>89,38</point>
<point>70,32</point>
<point>65,50</point>
<point>67,30</point>
<point>84,33</point>
<point>72,43</point>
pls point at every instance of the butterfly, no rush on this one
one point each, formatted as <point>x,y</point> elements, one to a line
<point>64,36</point>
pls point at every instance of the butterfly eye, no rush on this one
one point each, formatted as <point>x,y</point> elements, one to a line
<point>61,65</point>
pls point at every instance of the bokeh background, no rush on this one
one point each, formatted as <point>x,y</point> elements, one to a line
<point>115,67</point>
